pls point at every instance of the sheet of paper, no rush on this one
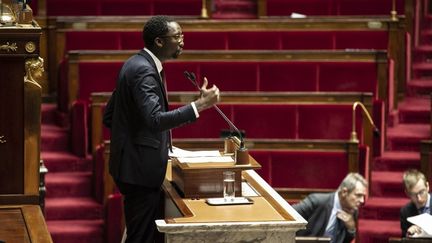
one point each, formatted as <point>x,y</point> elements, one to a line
<point>178,153</point>
<point>424,221</point>
<point>219,159</point>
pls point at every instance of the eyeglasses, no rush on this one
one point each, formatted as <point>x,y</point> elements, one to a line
<point>421,193</point>
<point>177,37</point>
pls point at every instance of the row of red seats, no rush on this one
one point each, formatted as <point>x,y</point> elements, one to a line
<point>333,7</point>
<point>275,121</point>
<point>193,7</point>
<point>252,76</point>
<point>238,40</point>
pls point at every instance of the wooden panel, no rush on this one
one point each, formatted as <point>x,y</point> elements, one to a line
<point>11,126</point>
<point>260,210</point>
<point>19,132</point>
<point>23,224</point>
<point>205,180</point>
<point>12,226</point>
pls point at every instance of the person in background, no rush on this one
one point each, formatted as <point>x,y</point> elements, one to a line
<point>140,124</point>
<point>334,214</point>
<point>417,189</point>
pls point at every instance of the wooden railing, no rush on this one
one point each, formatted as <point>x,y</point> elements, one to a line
<point>350,148</point>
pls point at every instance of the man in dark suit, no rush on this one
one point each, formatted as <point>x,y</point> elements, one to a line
<point>417,189</point>
<point>140,124</point>
<point>334,214</point>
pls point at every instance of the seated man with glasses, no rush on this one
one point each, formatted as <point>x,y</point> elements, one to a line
<point>417,189</point>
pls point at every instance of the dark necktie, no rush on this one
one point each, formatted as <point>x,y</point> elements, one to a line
<point>335,232</point>
<point>423,210</point>
<point>162,75</point>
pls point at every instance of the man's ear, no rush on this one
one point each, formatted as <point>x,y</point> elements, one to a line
<point>158,42</point>
<point>344,191</point>
<point>407,192</point>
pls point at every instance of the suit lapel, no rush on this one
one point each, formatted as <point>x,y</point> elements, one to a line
<point>161,82</point>
<point>327,211</point>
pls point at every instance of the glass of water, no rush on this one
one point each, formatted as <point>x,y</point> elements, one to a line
<point>228,185</point>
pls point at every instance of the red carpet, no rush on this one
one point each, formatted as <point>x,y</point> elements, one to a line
<point>72,214</point>
<point>379,218</point>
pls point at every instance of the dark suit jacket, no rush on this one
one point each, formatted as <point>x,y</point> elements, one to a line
<point>316,209</point>
<point>138,116</point>
<point>408,210</point>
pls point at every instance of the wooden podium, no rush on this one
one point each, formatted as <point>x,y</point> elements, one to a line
<point>189,218</point>
<point>205,180</point>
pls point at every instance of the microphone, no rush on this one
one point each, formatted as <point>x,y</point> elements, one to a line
<point>376,131</point>
<point>242,151</point>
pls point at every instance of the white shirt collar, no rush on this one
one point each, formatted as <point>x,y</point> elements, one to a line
<point>155,59</point>
<point>428,202</point>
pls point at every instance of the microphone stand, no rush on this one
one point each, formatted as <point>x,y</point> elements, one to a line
<point>241,154</point>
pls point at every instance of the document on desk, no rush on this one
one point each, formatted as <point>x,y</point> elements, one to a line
<point>202,156</point>
<point>424,221</point>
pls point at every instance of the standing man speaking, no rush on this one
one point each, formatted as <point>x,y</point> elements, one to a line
<point>140,124</point>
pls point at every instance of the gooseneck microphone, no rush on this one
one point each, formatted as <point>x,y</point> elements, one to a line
<point>191,77</point>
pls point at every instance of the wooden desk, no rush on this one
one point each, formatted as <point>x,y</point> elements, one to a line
<point>269,219</point>
<point>23,224</point>
<point>409,240</point>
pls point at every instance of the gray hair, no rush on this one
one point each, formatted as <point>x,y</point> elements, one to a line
<point>350,181</point>
<point>411,177</point>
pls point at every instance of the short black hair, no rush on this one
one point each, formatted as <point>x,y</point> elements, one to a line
<point>156,26</point>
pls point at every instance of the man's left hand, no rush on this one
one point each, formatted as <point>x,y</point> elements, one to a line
<point>348,220</point>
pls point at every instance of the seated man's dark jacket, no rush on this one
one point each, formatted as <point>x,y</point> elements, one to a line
<point>408,210</point>
<point>316,209</point>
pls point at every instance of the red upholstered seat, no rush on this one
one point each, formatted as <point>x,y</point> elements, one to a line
<point>234,76</point>
<point>125,7</point>
<point>97,77</point>
<point>288,169</point>
<point>183,7</point>
<point>296,77</point>
<point>326,121</point>
<point>361,39</point>
<point>122,7</point>
<point>253,40</point>
<point>307,7</point>
<point>209,124</point>
<point>332,7</point>
<point>92,40</point>
<point>308,40</point>
<point>263,158</point>
<point>72,7</point>
<point>131,40</point>
<point>266,121</point>
<point>348,76</point>
<point>367,7</point>
<point>205,40</point>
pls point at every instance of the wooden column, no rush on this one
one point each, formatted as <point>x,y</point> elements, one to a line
<point>19,115</point>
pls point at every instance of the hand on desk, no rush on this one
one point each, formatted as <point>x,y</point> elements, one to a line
<point>414,230</point>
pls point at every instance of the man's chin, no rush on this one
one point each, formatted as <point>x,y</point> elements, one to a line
<point>177,53</point>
